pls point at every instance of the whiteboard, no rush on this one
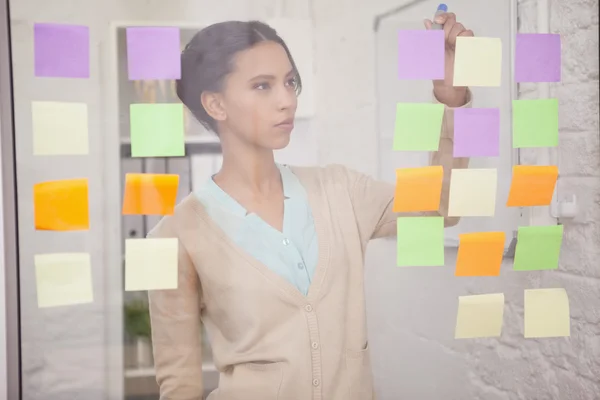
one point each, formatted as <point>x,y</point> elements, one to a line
<point>391,90</point>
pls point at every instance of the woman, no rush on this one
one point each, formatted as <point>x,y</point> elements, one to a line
<point>270,256</point>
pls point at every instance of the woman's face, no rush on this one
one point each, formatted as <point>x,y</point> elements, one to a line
<point>259,97</point>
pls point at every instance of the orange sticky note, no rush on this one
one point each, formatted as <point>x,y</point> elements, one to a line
<point>418,189</point>
<point>150,194</point>
<point>480,254</point>
<point>61,205</point>
<point>532,185</point>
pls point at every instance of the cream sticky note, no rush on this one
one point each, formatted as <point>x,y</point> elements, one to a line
<point>59,128</point>
<point>547,313</point>
<point>63,279</point>
<point>478,61</point>
<point>479,316</point>
<point>151,264</point>
<point>472,192</point>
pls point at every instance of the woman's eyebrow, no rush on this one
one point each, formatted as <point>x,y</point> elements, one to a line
<point>271,77</point>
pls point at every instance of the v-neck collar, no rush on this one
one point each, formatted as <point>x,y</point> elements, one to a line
<point>233,206</point>
<point>320,216</point>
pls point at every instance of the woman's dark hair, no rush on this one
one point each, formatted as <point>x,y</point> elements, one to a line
<point>208,58</point>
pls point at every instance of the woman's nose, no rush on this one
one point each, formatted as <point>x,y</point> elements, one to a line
<point>286,97</point>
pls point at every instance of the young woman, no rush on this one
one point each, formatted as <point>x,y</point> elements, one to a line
<point>271,256</point>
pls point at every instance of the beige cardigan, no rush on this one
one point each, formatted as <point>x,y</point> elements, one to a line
<point>269,341</point>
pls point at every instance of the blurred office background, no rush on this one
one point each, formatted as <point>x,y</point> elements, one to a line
<point>346,53</point>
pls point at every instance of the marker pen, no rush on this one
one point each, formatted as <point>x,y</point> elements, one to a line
<point>442,8</point>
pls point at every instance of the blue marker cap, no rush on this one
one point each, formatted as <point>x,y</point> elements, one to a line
<point>443,7</point>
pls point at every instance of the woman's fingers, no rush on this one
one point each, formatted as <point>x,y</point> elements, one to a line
<point>456,30</point>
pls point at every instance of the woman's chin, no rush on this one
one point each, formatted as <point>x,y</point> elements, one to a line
<point>280,142</point>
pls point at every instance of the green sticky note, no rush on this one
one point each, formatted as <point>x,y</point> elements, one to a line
<point>418,126</point>
<point>157,130</point>
<point>420,241</point>
<point>535,123</point>
<point>538,247</point>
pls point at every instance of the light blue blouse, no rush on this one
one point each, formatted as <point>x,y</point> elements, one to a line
<point>292,253</point>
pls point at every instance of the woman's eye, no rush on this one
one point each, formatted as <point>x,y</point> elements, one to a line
<point>261,86</point>
<point>293,82</point>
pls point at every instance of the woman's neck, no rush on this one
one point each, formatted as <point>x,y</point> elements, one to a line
<point>254,171</point>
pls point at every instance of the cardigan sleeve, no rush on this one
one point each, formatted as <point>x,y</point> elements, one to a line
<point>373,199</point>
<point>175,320</point>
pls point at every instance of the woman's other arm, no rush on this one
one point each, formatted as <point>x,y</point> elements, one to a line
<point>175,318</point>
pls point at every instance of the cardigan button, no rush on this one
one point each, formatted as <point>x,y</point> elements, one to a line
<point>316,382</point>
<point>308,308</point>
<point>315,345</point>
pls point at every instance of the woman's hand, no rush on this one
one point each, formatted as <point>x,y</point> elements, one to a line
<point>443,89</point>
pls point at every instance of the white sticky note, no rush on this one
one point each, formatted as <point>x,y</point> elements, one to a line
<point>479,316</point>
<point>473,192</point>
<point>547,313</point>
<point>478,61</point>
<point>151,264</point>
<point>63,279</point>
<point>59,128</point>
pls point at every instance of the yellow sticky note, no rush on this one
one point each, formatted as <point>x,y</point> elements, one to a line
<point>151,264</point>
<point>479,316</point>
<point>478,61</point>
<point>532,185</point>
<point>63,279</point>
<point>61,205</point>
<point>418,189</point>
<point>480,254</point>
<point>150,194</point>
<point>59,128</point>
<point>472,192</point>
<point>547,313</point>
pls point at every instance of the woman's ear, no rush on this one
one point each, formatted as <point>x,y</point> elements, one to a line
<point>213,104</point>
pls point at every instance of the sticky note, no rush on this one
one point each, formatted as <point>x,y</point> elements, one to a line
<point>59,128</point>
<point>538,247</point>
<point>477,61</point>
<point>535,123</point>
<point>476,132</point>
<point>537,57</point>
<point>63,279</point>
<point>547,313</point>
<point>480,253</point>
<point>418,126</point>
<point>61,205</point>
<point>532,185</point>
<point>421,54</point>
<point>61,51</point>
<point>157,130</point>
<point>150,194</point>
<point>479,316</point>
<point>472,192</point>
<point>153,53</point>
<point>151,264</point>
<point>420,241</point>
<point>418,189</point>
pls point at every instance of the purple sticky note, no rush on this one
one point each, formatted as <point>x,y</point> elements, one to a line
<point>537,57</point>
<point>61,51</point>
<point>153,53</point>
<point>421,54</point>
<point>476,132</point>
